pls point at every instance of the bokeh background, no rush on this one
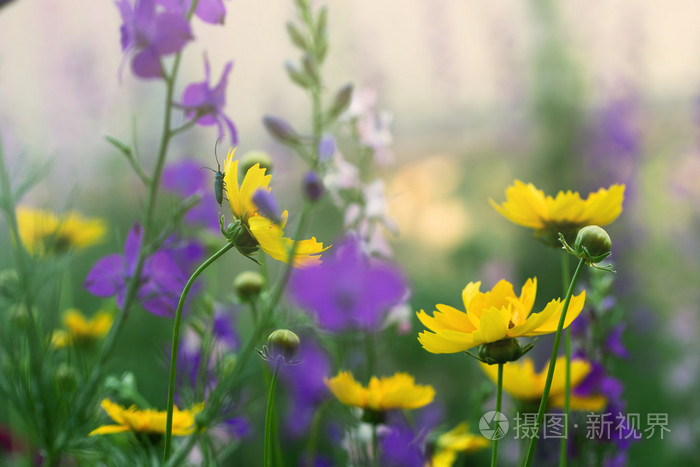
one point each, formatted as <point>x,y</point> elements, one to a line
<point>567,95</point>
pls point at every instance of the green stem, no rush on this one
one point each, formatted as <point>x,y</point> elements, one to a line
<point>552,362</point>
<point>375,446</point>
<point>499,396</point>
<point>269,414</point>
<point>313,435</point>
<point>565,275</point>
<point>175,344</point>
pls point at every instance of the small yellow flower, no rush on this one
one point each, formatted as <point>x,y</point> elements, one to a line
<point>269,235</point>
<point>146,421</point>
<point>454,441</point>
<point>45,232</point>
<point>522,382</point>
<point>527,206</point>
<point>386,393</point>
<point>491,317</point>
<point>80,329</point>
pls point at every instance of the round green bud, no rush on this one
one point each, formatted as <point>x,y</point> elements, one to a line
<point>228,363</point>
<point>248,285</point>
<point>251,158</point>
<point>284,344</point>
<point>66,377</point>
<point>503,351</point>
<point>19,316</point>
<point>241,237</point>
<point>9,283</point>
<point>594,242</point>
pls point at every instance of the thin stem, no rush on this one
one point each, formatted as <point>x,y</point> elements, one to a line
<point>565,275</point>
<point>313,435</point>
<point>552,362</point>
<point>269,414</point>
<point>176,341</point>
<point>375,446</point>
<point>499,394</point>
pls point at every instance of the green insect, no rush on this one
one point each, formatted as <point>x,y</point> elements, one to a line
<point>219,183</point>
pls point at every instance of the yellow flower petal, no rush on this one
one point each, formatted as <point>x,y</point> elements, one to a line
<point>446,341</point>
<point>386,393</point>
<point>272,241</point>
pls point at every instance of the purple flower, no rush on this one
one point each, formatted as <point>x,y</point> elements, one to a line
<point>404,445</point>
<point>209,11</point>
<point>266,202</point>
<point>348,291</point>
<point>305,385</point>
<point>206,104</point>
<point>161,281</point>
<point>599,382</point>
<point>186,178</point>
<point>148,35</point>
<point>614,343</point>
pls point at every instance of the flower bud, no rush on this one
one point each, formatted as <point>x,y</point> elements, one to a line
<point>326,148</point>
<point>9,283</point>
<point>248,285</point>
<point>283,344</point>
<point>251,158</point>
<point>313,186</point>
<point>228,363</point>
<point>244,241</point>
<point>266,203</point>
<point>341,102</point>
<point>594,242</point>
<point>66,377</point>
<point>281,131</point>
<point>503,351</point>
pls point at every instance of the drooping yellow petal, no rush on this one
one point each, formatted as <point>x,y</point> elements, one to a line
<point>546,321</point>
<point>346,389</point>
<point>604,206</point>
<point>446,341</point>
<point>147,421</point>
<point>233,194</point>
<point>272,241</point>
<point>386,393</point>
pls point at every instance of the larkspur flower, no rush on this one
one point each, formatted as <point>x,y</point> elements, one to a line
<point>209,11</point>
<point>78,329</point>
<point>350,290</point>
<point>386,393</point>
<point>185,178</point>
<point>566,213</point>
<point>268,235</point>
<point>522,382</point>
<point>457,440</point>
<point>147,34</point>
<point>162,278</point>
<point>44,232</point>
<point>403,444</point>
<point>206,104</point>
<point>146,421</point>
<point>492,317</point>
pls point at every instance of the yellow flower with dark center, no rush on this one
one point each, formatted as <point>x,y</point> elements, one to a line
<point>492,316</point>
<point>45,232</point>
<point>146,421</point>
<point>268,234</point>
<point>566,213</point>
<point>79,329</point>
<point>457,440</point>
<point>386,393</point>
<point>521,381</point>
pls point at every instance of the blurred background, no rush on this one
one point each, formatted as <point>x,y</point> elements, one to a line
<point>566,95</point>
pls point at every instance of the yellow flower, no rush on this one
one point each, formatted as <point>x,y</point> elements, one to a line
<point>454,441</point>
<point>270,236</point>
<point>45,232</point>
<point>146,421</point>
<point>527,206</point>
<point>80,329</point>
<point>522,382</point>
<point>386,393</point>
<point>492,316</point>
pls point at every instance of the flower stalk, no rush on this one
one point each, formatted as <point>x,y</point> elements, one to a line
<point>499,396</point>
<point>270,426</point>
<point>552,361</point>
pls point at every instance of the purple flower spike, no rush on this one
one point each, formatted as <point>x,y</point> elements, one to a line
<point>147,35</point>
<point>206,103</point>
<point>614,342</point>
<point>349,291</point>
<point>161,279</point>
<point>266,202</point>
<point>186,178</point>
<point>209,11</point>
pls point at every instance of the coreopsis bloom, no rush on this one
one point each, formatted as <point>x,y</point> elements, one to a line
<point>350,290</point>
<point>521,381</point>
<point>386,393</point>
<point>147,34</point>
<point>527,206</point>
<point>45,232</point>
<point>457,440</point>
<point>205,103</point>
<point>492,317</point>
<point>146,421</point>
<point>268,235</point>
<point>80,329</point>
